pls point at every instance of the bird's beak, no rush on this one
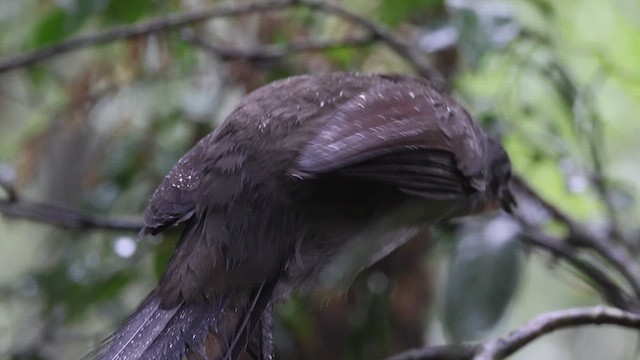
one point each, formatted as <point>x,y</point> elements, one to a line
<point>508,201</point>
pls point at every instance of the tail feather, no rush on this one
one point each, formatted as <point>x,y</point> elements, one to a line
<point>260,302</point>
<point>138,331</point>
<point>152,332</point>
<point>186,331</point>
<point>209,330</point>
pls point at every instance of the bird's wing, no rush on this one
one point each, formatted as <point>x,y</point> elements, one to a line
<point>408,136</point>
<point>175,198</point>
<point>431,174</point>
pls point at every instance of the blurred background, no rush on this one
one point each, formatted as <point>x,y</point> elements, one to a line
<point>92,132</point>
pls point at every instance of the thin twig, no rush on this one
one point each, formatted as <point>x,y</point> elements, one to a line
<point>549,322</point>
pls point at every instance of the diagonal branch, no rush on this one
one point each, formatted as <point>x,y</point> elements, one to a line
<point>541,325</point>
<point>549,322</point>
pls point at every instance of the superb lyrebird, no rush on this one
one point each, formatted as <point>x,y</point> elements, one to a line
<point>309,180</point>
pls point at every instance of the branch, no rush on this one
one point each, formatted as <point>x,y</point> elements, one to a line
<point>541,325</point>
<point>165,23</point>
<point>549,322</point>
<point>63,217</point>
<point>66,218</point>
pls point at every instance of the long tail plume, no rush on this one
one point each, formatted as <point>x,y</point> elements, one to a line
<point>210,330</point>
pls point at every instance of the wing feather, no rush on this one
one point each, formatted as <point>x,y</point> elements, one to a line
<point>175,198</point>
<point>406,135</point>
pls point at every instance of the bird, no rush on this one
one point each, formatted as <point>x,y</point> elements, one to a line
<point>309,180</point>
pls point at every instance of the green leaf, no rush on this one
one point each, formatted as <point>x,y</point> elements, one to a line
<point>61,22</point>
<point>78,297</point>
<point>163,253</point>
<point>125,160</point>
<point>296,315</point>
<point>484,275</point>
<point>52,28</point>
<point>127,11</point>
<point>393,12</point>
<point>481,27</point>
<point>344,58</point>
<point>81,297</point>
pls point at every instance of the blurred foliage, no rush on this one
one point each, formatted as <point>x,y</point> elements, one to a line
<point>394,13</point>
<point>65,18</point>
<point>492,251</point>
<point>97,130</point>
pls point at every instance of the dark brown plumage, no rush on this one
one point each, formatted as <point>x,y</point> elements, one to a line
<point>308,181</point>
